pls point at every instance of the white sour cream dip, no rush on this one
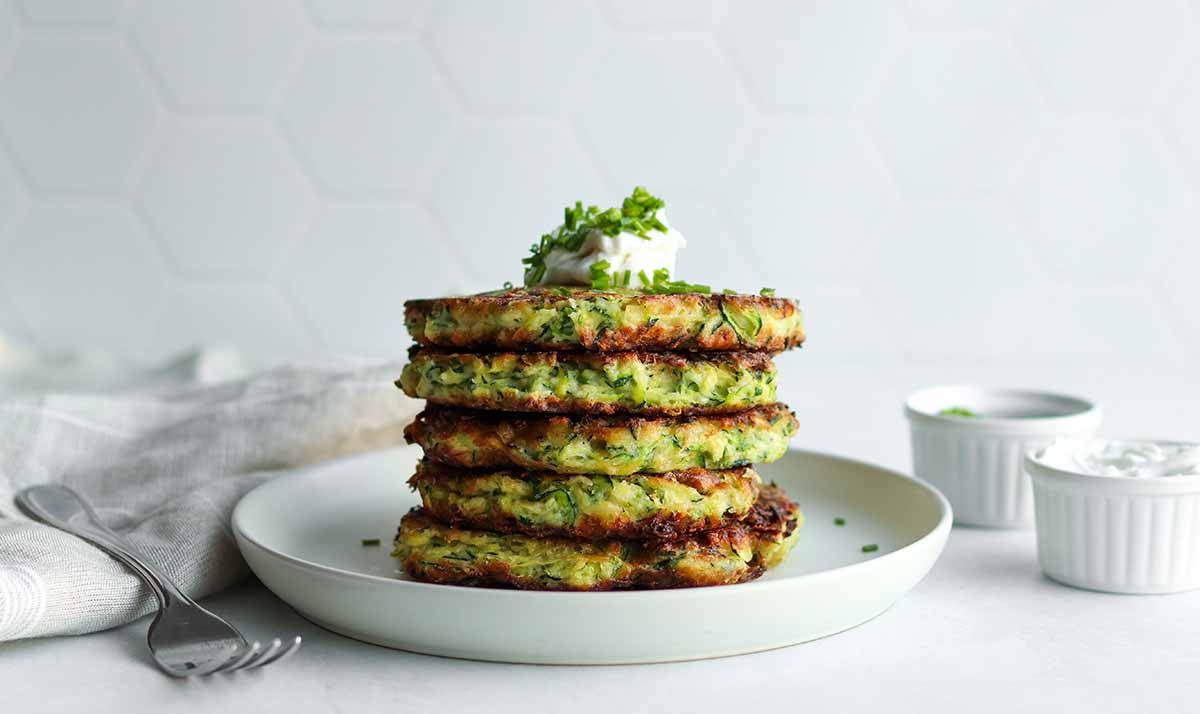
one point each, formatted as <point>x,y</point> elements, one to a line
<point>1122,459</point>
<point>624,251</point>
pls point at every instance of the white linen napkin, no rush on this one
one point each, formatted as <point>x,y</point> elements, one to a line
<point>163,455</point>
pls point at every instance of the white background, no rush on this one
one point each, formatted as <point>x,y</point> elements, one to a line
<point>1001,192</point>
<point>989,191</point>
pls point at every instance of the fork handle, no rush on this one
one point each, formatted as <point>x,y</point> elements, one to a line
<point>66,510</point>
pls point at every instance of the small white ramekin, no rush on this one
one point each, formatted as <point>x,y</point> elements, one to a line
<point>1121,535</point>
<point>976,461</point>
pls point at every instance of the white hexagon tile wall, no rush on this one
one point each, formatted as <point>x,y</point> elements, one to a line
<point>926,176</point>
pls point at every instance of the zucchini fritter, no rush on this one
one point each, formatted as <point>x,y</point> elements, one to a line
<point>735,553</point>
<point>592,382</point>
<point>612,445</point>
<point>588,506</point>
<point>612,320</point>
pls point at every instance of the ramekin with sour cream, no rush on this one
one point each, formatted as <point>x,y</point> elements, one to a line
<point>1118,516</point>
<point>969,442</point>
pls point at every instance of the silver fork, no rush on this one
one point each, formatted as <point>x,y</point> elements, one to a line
<point>185,639</point>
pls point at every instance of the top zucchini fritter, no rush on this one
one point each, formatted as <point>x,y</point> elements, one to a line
<point>611,320</point>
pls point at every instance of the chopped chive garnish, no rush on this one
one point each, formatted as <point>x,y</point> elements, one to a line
<point>638,215</point>
<point>839,521</point>
<point>767,292</point>
<point>370,541</point>
<point>661,284</point>
<point>601,280</point>
<point>958,412</point>
<point>508,285</point>
<point>871,548</point>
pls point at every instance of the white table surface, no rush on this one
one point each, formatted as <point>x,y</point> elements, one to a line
<point>984,632</point>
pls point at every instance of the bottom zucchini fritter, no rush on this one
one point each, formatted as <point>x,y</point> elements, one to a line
<point>734,553</point>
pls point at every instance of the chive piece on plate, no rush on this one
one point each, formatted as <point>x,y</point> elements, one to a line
<point>839,521</point>
<point>370,541</point>
<point>870,548</point>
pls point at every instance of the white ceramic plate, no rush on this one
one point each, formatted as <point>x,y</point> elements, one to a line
<point>302,535</point>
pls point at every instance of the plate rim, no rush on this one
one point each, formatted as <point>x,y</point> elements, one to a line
<point>943,525</point>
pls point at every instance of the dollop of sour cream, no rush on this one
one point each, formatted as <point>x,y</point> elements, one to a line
<point>1122,459</point>
<point>624,251</point>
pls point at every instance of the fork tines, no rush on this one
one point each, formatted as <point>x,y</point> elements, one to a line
<point>255,656</point>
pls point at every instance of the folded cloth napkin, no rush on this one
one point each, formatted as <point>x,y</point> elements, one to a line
<point>163,455</point>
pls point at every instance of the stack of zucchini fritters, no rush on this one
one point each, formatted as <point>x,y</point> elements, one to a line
<point>590,440</point>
